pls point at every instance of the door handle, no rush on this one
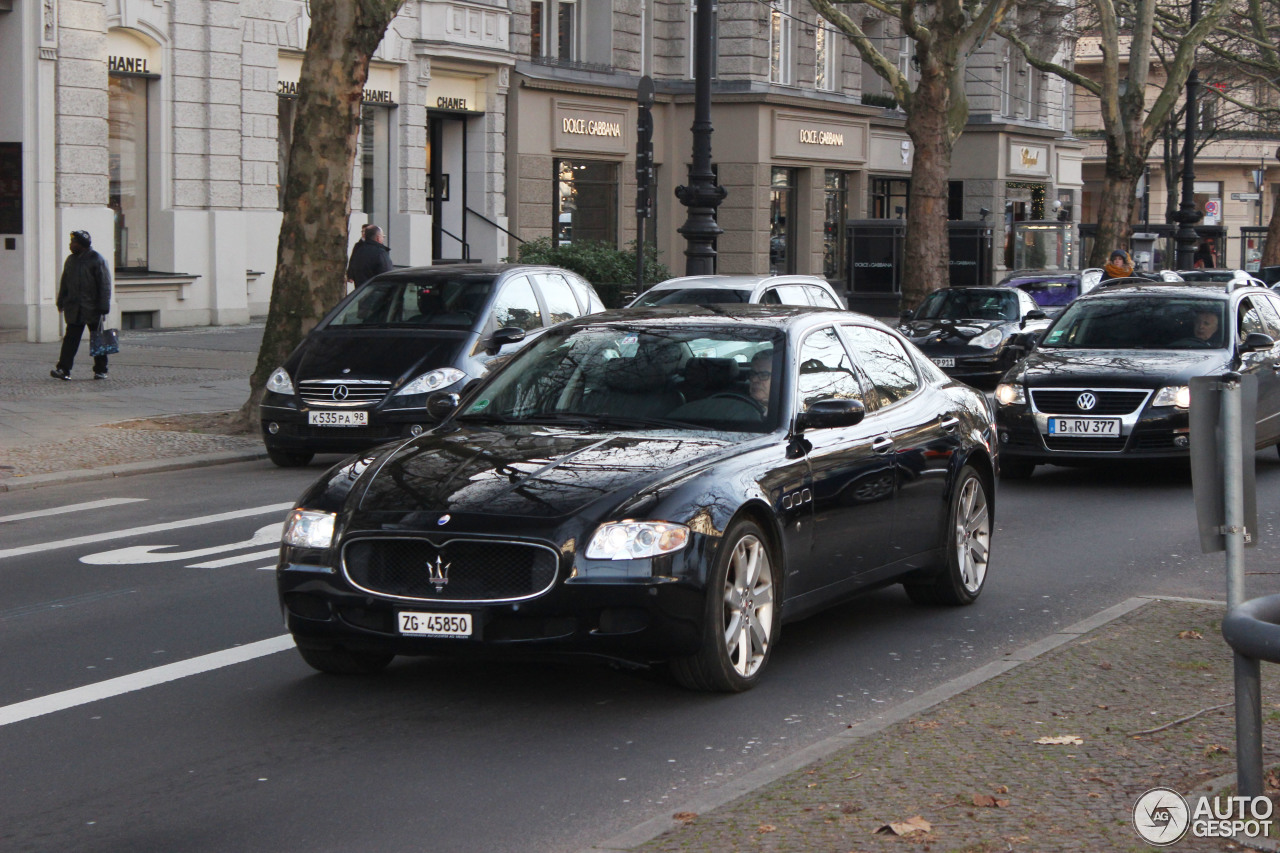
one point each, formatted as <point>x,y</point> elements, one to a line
<point>882,444</point>
<point>950,424</point>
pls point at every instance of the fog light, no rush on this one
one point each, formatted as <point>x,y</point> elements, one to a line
<point>1181,441</point>
<point>1004,438</point>
<point>273,428</point>
<point>415,430</point>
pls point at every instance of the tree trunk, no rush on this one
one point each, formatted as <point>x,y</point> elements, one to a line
<point>1115,210</point>
<point>1271,251</point>
<point>926,267</point>
<point>311,257</point>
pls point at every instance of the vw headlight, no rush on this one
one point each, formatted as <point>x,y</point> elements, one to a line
<point>633,540</point>
<point>433,381</point>
<point>1011,394</point>
<point>308,529</point>
<point>987,340</point>
<point>1173,395</point>
<point>279,382</point>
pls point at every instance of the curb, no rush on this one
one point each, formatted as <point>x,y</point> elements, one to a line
<point>84,475</point>
<point>652,828</point>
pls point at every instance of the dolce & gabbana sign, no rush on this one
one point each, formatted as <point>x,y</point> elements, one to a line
<point>589,127</point>
<point>811,138</point>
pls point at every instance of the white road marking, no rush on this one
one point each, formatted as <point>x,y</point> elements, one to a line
<point>20,711</point>
<point>138,554</point>
<point>141,531</point>
<point>59,510</point>
<point>240,558</point>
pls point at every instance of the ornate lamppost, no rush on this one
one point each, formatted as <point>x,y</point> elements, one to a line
<point>701,195</point>
<point>1187,215</point>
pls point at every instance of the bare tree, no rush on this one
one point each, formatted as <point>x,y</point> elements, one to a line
<point>1131,119</point>
<point>311,256</point>
<point>945,34</point>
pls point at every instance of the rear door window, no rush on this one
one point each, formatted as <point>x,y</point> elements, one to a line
<point>885,361</point>
<point>517,305</point>
<point>560,301</point>
<point>819,297</point>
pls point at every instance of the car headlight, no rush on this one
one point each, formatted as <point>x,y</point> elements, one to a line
<point>1011,394</point>
<point>433,381</point>
<point>633,540</point>
<point>1173,395</point>
<point>279,382</point>
<point>988,339</point>
<point>308,529</point>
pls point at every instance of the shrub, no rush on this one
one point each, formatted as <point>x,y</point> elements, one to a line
<point>611,270</point>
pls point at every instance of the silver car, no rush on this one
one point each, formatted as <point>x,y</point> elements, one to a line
<point>757,289</point>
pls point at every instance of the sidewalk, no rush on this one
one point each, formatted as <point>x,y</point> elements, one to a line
<point>56,432</point>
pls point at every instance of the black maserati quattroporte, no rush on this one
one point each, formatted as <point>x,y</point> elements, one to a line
<point>651,484</point>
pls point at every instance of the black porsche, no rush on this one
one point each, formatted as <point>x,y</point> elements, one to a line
<point>647,485</point>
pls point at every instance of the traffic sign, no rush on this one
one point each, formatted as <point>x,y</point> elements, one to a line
<point>1245,196</point>
<point>1211,207</point>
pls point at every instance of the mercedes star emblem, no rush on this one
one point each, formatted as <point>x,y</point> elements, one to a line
<point>340,392</point>
<point>1086,401</point>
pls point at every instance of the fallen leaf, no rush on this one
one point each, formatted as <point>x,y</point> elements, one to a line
<point>1190,635</point>
<point>987,801</point>
<point>685,817</point>
<point>906,827</point>
<point>1002,789</point>
<point>1104,665</point>
<point>1216,749</point>
<point>1061,739</point>
<point>766,827</point>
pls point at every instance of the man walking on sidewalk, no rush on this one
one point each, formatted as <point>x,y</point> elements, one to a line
<point>84,298</point>
<point>370,256</point>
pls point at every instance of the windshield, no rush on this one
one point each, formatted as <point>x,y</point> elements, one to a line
<point>451,302</point>
<point>1050,293</point>
<point>965,304</point>
<point>709,378</point>
<point>691,296</point>
<point>1139,322</point>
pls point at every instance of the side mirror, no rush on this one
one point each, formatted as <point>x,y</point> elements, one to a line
<point>502,337</point>
<point>829,413</point>
<point>441,404</point>
<point>1256,342</point>
<point>908,315</point>
<point>1035,314</point>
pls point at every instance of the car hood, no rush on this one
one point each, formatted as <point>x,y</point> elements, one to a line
<point>387,354</point>
<point>1119,368</point>
<point>525,471</point>
<point>948,331</point>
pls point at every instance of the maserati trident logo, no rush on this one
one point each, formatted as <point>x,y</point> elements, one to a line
<point>1086,401</point>
<point>439,573</point>
<point>340,392</point>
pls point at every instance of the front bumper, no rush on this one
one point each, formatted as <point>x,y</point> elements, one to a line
<point>1153,433</point>
<point>285,427</point>
<point>979,368</point>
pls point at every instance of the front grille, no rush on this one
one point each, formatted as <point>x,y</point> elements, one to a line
<point>1075,442</point>
<point>1063,402</point>
<point>338,392</point>
<point>450,570</point>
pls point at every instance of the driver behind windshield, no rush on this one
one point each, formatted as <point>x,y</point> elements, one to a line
<point>1206,327</point>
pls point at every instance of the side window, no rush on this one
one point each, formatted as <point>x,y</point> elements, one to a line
<point>1267,311</point>
<point>517,306</point>
<point>825,370</point>
<point>885,362</point>
<point>561,304</point>
<point>792,294</point>
<point>818,296</point>
<point>586,295</point>
<point>1250,319</point>
<point>771,297</point>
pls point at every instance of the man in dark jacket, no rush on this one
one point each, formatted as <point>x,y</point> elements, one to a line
<point>369,257</point>
<point>84,298</point>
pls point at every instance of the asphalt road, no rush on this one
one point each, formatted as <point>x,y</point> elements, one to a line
<point>262,754</point>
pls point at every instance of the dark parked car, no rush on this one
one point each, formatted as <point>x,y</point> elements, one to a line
<point>1053,290</point>
<point>646,485</point>
<point>763,289</point>
<point>967,331</point>
<point>1110,377</point>
<point>362,376</point>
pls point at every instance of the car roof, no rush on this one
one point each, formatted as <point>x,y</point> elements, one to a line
<point>781,317</point>
<point>737,282</point>
<point>1146,287</point>
<point>1034,275</point>
<point>455,270</point>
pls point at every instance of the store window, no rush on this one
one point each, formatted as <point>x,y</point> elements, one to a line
<point>782,221</point>
<point>586,203</point>
<point>780,41</point>
<point>127,131</point>
<point>889,198</point>
<point>833,225</point>
<point>375,164</point>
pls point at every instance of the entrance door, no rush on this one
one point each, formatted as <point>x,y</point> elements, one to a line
<point>447,187</point>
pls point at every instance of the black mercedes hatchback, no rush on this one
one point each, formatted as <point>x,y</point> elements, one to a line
<point>1110,378</point>
<point>362,376</point>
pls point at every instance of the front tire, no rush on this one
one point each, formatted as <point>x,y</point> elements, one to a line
<point>740,620</point>
<point>341,661</point>
<point>968,547</point>
<point>286,459</point>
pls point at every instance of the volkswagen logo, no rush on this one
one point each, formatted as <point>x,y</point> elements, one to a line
<point>340,392</point>
<point>1086,401</point>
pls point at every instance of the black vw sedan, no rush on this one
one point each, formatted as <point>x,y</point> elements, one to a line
<point>1110,378</point>
<point>966,330</point>
<point>647,485</point>
<point>363,374</point>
